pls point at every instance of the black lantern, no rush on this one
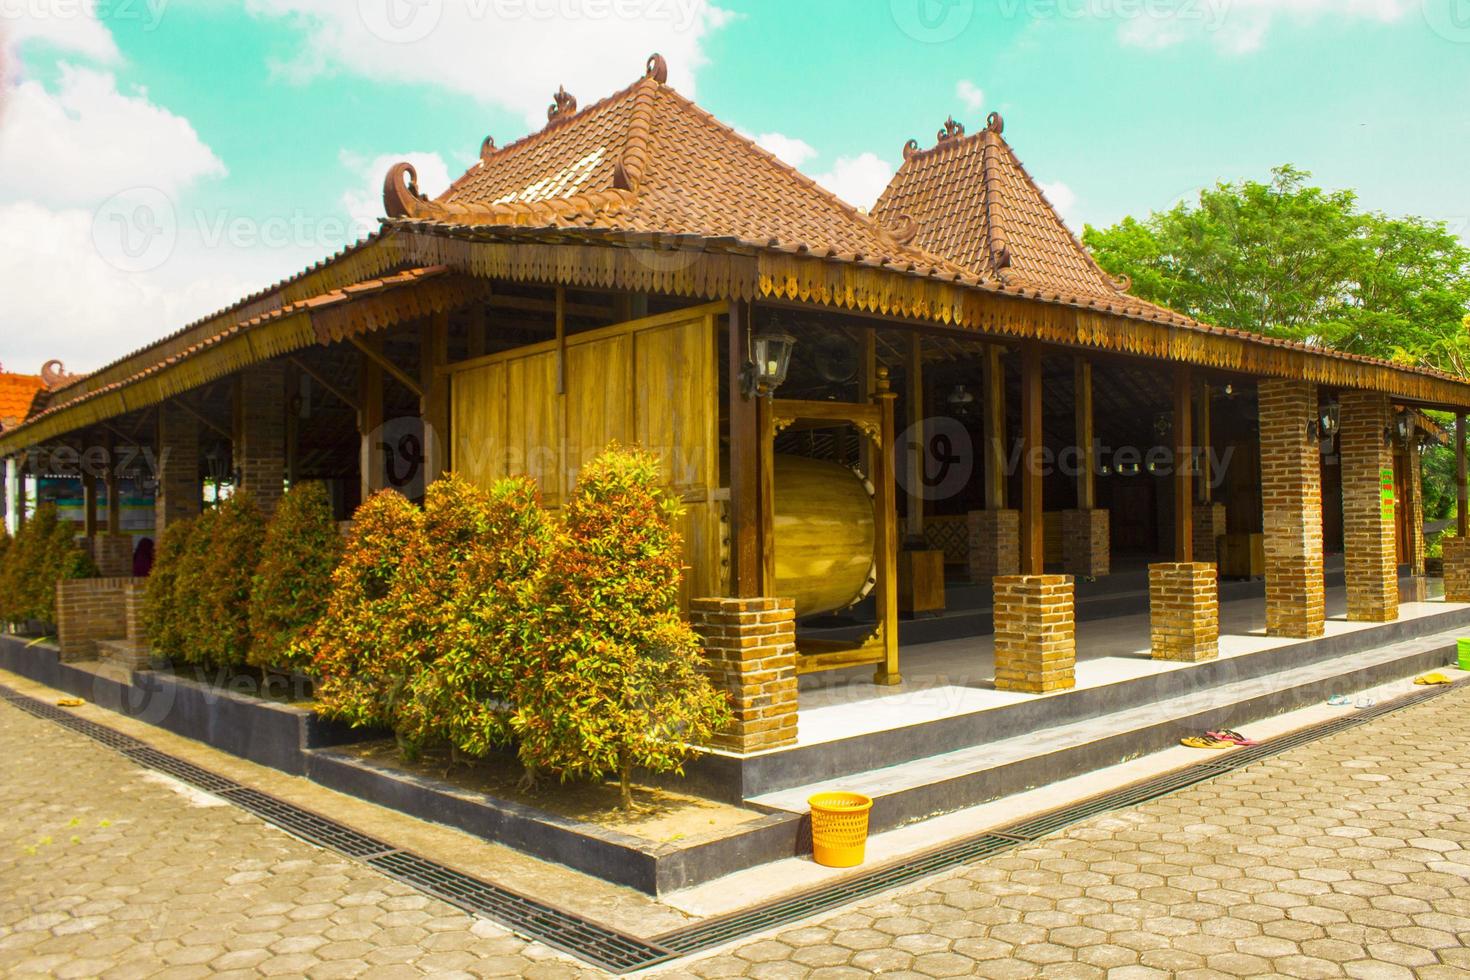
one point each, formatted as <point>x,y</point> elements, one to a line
<point>1330,419</point>
<point>770,356</point>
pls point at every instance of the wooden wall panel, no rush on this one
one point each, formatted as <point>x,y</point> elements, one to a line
<point>675,371</point>
<point>533,431</point>
<point>600,399</point>
<point>477,424</point>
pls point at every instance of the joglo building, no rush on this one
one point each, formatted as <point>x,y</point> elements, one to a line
<point>929,434</point>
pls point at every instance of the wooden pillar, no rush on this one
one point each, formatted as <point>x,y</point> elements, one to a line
<point>1203,477</point>
<point>867,385</point>
<point>434,403</point>
<point>766,479</point>
<point>1462,516</point>
<point>886,533</point>
<point>914,451</point>
<point>477,331</point>
<point>745,552</point>
<point>370,419</point>
<point>89,508</point>
<point>995,428</point>
<point>1082,409</point>
<point>1183,465</point>
<point>293,423</point>
<point>1033,538</point>
<point>114,496</point>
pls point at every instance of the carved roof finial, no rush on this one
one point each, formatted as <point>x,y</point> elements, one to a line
<point>563,104</point>
<point>54,374</point>
<point>657,69</point>
<point>487,148</point>
<point>910,148</point>
<point>400,200</point>
<point>951,129</point>
<point>995,123</point>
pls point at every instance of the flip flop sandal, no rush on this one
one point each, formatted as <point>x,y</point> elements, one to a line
<point>1339,700</point>
<point>1235,738</point>
<point>1365,702</point>
<point>1434,678</point>
<point>1204,742</point>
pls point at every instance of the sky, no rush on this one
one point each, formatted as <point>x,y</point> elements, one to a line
<point>160,159</point>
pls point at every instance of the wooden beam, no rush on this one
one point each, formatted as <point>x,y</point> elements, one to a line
<point>476,341</point>
<point>218,430</point>
<point>745,560</point>
<point>1082,408</point>
<point>89,505</point>
<point>374,352</point>
<point>561,340</point>
<point>766,421</point>
<point>317,376</point>
<point>369,421</point>
<point>293,423</point>
<point>995,428</point>
<point>1183,465</point>
<point>867,340</point>
<point>434,404</point>
<point>913,453</point>
<point>1204,440</point>
<point>527,304</point>
<point>1033,537</point>
<point>114,500</point>
<point>1462,515</point>
<point>885,511</point>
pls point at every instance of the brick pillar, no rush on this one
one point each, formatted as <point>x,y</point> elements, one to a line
<point>1035,633</point>
<point>134,628</point>
<point>1369,548</point>
<point>1183,611</point>
<point>179,494</point>
<point>113,554</point>
<point>260,432</point>
<point>1209,527</point>
<point>1085,542</point>
<point>750,653</point>
<point>88,610</point>
<point>995,544</point>
<point>1456,569</point>
<point>1291,502</point>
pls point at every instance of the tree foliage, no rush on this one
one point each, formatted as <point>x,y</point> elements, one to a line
<point>165,626</point>
<point>44,552</point>
<point>293,580</point>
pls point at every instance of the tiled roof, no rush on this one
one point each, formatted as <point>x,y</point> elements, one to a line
<point>973,202</point>
<point>648,160</point>
<point>17,393</point>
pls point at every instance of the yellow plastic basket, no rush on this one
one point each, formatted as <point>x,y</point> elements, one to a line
<point>839,828</point>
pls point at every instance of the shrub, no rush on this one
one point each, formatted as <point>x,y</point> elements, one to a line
<point>294,578</point>
<point>498,544</point>
<point>229,567</point>
<point>614,681</point>
<point>44,551</point>
<point>189,618</point>
<point>162,619</point>
<point>357,649</point>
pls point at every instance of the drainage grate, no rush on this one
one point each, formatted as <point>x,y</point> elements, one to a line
<point>310,827</point>
<point>179,769</point>
<point>597,944</point>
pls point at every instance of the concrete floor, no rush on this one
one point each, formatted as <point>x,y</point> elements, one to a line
<point>954,677</point>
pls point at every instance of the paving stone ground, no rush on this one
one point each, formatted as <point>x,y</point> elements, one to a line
<point>1346,857</point>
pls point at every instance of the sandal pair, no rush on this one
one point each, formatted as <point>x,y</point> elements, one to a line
<point>1233,737</point>
<point>1205,742</point>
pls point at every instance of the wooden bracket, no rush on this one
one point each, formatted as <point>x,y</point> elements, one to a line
<point>402,376</point>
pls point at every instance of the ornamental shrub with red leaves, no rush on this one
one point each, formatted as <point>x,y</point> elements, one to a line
<point>294,578</point>
<point>613,683</point>
<point>364,650</point>
<point>487,553</point>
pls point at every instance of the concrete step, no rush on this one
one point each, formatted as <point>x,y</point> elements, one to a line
<point>949,781</point>
<point>123,653</point>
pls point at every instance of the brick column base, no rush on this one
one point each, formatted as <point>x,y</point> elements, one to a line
<point>1456,569</point>
<point>995,544</point>
<point>113,554</point>
<point>1085,542</point>
<point>88,610</point>
<point>1209,528</point>
<point>750,653</point>
<point>1183,611</point>
<point>1035,633</point>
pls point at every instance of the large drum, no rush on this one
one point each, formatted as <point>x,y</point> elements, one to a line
<point>824,534</point>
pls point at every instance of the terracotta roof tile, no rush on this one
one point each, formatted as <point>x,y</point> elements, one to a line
<point>17,394</point>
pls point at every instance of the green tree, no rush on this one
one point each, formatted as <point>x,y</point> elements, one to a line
<point>294,578</point>
<point>44,552</point>
<point>163,623</point>
<point>614,682</point>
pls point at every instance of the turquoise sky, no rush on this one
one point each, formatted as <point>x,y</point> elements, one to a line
<point>1116,106</point>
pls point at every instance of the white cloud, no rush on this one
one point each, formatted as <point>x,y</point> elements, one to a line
<point>85,141</point>
<point>787,149</point>
<point>1238,26</point>
<point>498,50</point>
<point>1062,198</point>
<point>67,25</point>
<point>363,202</point>
<point>858,180</point>
<point>970,94</point>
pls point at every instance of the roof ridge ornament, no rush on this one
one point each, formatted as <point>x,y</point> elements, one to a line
<point>904,229</point>
<point>563,105</point>
<point>657,69</point>
<point>910,149</point>
<point>400,200</point>
<point>950,130</point>
<point>994,123</point>
<point>54,374</point>
<point>487,148</point>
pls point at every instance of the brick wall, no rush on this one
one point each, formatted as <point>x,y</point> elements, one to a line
<point>1291,503</point>
<point>750,653</point>
<point>179,493</point>
<point>995,544</point>
<point>1035,633</point>
<point>88,610</point>
<point>1369,546</point>
<point>1085,542</point>
<point>1183,611</point>
<point>1456,569</point>
<point>260,432</point>
<point>1209,527</point>
<point>113,554</point>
